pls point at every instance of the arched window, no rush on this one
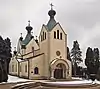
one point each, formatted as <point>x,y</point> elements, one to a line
<point>57,34</point>
<point>20,68</point>
<point>25,68</point>
<point>45,35</point>
<point>41,37</point>
<point>16,67</point>
<point>33,50</point>
<point>54,34</point>
<point>61,36</point>
<point>36,70</point>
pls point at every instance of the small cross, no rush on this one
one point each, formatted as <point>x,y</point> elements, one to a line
<point>21,34</point>
<point>51,6</point>
<point>29,23</point>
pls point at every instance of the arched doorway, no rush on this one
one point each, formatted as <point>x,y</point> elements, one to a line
<point>60,71</point>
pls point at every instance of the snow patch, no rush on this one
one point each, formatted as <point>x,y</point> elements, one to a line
<point>72,82</point>
<point>14,79</point>
<point>21,84</point>
<point>77,78</point>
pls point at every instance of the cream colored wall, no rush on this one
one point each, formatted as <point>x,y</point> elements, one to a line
<point>36,52</point>
<point>31,54</point>
<point>57,44</point>
<point>28,51</point>
<point>31,44</point>
<point>37,62</point>
<point>15,63</point>
<point>70,68</point>
<point>22,72</point>
<point>45,49</point>
<point>20,69</point>
<point>28,55</point>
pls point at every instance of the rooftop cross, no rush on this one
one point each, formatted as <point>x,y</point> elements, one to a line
<point>29,23</point>
<point>51,6</point>
<point>21,34</point>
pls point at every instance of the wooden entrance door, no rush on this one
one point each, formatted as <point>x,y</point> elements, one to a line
<point>58,73</point>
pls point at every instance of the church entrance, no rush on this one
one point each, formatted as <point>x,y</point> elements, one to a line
<point>60,71</point>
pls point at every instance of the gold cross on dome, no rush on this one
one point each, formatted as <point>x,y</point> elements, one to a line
<point>51,6</point>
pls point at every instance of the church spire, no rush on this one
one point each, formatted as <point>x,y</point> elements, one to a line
<point>29,28</point>
<point>21,38</point>
<point>51,23</point>
<point>29,23</point>
<point>52,12</point>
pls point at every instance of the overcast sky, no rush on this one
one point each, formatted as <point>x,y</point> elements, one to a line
<point>79,18</point>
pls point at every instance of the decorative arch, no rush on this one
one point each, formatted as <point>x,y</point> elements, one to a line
<point>56,61</point>
<point>59,69</point>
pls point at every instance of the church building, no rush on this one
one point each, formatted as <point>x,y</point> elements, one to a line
<point>43,57</point>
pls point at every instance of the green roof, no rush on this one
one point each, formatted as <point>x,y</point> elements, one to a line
<point>51,24</point>
<point>27,39</point>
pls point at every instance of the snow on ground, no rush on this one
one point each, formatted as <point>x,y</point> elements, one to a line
<point>72,82</point>
<point>96,81</point>
<point>79,81</point>
<point>76,82</point>
<point>77,78</point>
<point>22,84</point>
<point>13,79</point>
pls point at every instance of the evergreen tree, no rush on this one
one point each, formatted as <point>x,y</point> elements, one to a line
<point>76,54</point>
<point>96,60</point>
<point>5,55</point>
<point>92,62</point>
<point>8,52</point>
<point>68,54</point>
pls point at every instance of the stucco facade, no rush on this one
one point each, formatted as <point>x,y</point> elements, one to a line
<point>44,57</point>
<point>13,66</point>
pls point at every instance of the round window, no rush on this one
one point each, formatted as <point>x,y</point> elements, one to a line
<point>58,53</point>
